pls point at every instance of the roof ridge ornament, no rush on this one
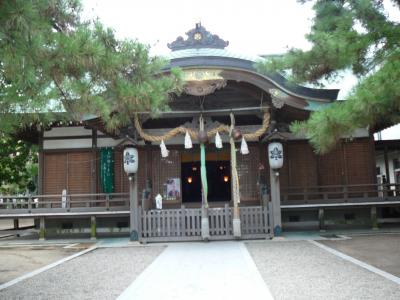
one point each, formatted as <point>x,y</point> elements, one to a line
<point>198,37</point>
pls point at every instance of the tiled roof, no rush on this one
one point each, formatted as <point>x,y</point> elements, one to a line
<point>204,52</point>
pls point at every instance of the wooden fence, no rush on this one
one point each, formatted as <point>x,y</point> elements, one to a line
<point>185,224</point>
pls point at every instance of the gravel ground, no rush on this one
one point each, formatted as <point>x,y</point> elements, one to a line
<point>381,251</point>
<point>300,270</point>
<point>16,261</point>
<point>101,274</point>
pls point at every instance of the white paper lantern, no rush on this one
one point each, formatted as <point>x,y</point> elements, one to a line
<point>275,155</point>
<point>131,160</point>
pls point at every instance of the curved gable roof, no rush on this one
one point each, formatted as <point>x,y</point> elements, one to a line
<point>224,59</point>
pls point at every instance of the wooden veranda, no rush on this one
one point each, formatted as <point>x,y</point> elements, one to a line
<point>183,224</point>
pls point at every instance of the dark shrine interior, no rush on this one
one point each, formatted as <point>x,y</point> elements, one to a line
<point>218,178</point>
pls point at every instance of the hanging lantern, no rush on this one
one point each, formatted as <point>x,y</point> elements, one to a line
<point>188,141</point>
<point>218,141</point>
<point>275,155</point>
<point>243,147</point>
<point>164,151</point>
<point>131,160</point>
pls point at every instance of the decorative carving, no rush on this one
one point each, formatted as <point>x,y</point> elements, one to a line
<point>278,97</point>
<point>201,74</point>
<point>201,82</point>
<point>202,88</point>
<point>278,103</point>
<point>198,37</point>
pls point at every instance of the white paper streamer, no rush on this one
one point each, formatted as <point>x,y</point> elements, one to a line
<point>164,151</point>
<point>188,141</point>
<point>218,141</point>
<point>243,147</point>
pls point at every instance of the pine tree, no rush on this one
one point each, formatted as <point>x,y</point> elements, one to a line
<point>55,66</point>
<point>354,35</point>
<point>18,166</point>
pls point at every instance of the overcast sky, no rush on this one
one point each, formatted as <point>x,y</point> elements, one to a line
<point>253,27</point>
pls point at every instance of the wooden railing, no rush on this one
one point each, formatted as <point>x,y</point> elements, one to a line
<point>340,194</point>
<point>63,203</point>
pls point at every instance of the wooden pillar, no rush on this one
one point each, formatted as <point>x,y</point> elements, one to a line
<point>93,228</point>
<point>134,208</point>
<point>93,184</point>
<point>276,202</point>
<point>321,219</point>
<point>42,229</point>
<point>16,224</point>
<point>266,213</point>
<point>40,164</point>
<point>149,175</point>
<point>345,169</point>
<point>374,218</point>
<point>387,172</point>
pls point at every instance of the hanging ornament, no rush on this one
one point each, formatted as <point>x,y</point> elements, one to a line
<point>164,151</point>
<point>218,141</point>
<point>243,147</point>
<point>188,141</point>
<point>236,134</point>
<point>203,137</point>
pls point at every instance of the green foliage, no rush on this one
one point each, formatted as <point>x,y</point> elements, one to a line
<point>18,166</point>
<point>347,34</point>
<point>50,60</point>
<point>55,67</point>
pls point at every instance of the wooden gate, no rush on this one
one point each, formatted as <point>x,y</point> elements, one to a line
<point>185,224</point>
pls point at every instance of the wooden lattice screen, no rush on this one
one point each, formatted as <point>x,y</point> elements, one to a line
<point>248,171</point>
<point>163,170</point>
<point>70,171</point>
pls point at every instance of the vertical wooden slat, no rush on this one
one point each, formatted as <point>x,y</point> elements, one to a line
<point>168,223</point>
<point>145,222</point>
<point>183,222</point>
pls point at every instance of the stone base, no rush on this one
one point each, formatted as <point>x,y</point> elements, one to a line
<point>205,229</point>
<point>237,231</point>
<point>134,235</point>
<point>277,230</point>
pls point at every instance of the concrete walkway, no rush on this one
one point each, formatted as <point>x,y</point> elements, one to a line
<point>218,270</point>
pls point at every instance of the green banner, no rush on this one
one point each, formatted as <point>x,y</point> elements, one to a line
<point>107,170</point>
